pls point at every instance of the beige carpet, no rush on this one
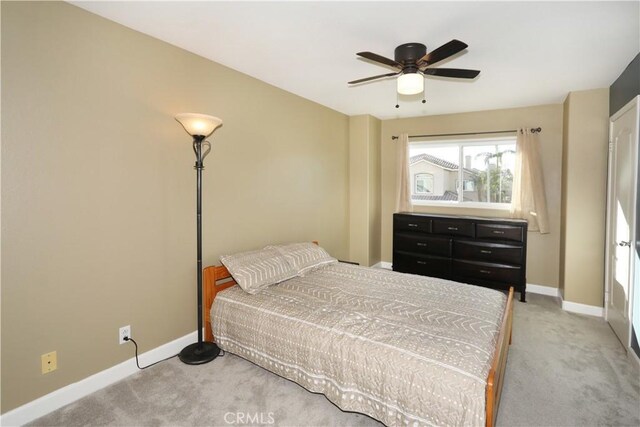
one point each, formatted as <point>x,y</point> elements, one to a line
<point>563,370</point>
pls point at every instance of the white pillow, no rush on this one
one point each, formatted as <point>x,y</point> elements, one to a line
<point>256,270</point>
<point>304,257</point>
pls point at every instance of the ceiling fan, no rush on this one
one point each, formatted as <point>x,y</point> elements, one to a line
<point>412,63</point>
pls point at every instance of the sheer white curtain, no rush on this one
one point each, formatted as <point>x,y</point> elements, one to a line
<point>528,197</point>
<point>403,201</point>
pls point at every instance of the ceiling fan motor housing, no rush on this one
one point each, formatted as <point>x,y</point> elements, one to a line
<point>408,55</point>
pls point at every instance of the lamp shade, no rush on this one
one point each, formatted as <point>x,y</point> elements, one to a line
<point>198,124</point>
<point>410,84</point>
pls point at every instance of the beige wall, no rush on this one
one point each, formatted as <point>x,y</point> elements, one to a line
<point>358,189</point>
<point>563,202</point>
<point>543,250</point>
<point>584,180</point>
<point>374,190</point>
<point>364,190</point>
<point>98,187</point>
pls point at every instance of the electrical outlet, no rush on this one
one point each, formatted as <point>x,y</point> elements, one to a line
<point>125,331</point>
<point>49,362</point>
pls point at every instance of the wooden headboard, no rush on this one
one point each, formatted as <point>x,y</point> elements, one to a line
<point>214,280</point>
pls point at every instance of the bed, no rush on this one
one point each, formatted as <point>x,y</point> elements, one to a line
<point>403,349</point>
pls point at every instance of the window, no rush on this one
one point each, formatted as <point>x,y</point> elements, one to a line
<point>423,183</point>
<point>469,185</point>
<point>486,173</point>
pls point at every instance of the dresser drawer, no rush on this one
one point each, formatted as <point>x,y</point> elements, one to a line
<point>492,252</point>
<point>412,223</point>
<point>422,244</point>
<point>453,227</point>
<point>424,265</point>
<point>487,271</point>
<point>500,232</point>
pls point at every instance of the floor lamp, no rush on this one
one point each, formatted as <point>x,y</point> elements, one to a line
<point>199,126</point>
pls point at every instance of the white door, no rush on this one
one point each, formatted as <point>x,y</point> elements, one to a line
<point>621,215</point>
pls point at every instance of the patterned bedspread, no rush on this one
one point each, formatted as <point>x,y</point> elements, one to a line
<point>404,349</point>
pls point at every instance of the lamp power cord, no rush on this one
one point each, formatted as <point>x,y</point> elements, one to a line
<point>138,363</point>
<point>222,353</point>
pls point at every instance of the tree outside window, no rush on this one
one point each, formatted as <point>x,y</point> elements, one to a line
<point>495,182</point>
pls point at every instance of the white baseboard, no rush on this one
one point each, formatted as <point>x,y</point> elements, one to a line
<point>383,264</point>
<point>68,394</point>
<point>590,310</point>
<point>543,290</point>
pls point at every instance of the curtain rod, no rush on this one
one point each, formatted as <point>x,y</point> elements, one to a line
<point>533,130</point>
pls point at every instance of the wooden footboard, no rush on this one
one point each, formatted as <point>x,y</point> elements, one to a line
<point>215,279</point>
<point>496,373</point>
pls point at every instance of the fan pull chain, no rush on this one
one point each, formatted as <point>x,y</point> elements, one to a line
<point>397,100</point>
<point>424,96</point>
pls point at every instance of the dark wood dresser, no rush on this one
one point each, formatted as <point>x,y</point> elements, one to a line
<point>489,252</point>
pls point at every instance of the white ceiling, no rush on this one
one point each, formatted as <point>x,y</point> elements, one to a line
<point>529,53</point>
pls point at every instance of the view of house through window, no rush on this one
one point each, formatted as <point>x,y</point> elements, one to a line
<point>486,175</point>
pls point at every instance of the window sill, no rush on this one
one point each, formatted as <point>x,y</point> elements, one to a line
<point>465,205</point>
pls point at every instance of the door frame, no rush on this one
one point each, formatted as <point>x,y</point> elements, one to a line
<point>609,237</point>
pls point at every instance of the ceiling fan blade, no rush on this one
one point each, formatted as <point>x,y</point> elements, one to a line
<point>452,72</point>
<point>443,52</point>
<point>380,59</point>
<point>373,78</point>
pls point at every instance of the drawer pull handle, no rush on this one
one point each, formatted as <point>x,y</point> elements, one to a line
<point>485,271</point>
<point>421,262</point>
<point>452,228</point>
<point>421,244</point>
<point>498,232</point>
<point>413,225</point>
<point>482,251</point>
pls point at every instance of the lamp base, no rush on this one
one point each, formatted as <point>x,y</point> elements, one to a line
<point>199,353</point>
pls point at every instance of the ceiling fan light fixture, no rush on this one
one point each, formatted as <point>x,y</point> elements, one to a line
<point>410,84</point>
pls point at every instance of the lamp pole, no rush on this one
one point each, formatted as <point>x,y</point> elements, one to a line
<point>197,147</point>
<point>201,351</point>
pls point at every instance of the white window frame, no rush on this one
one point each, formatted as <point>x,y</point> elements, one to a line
<point>468,142</point>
